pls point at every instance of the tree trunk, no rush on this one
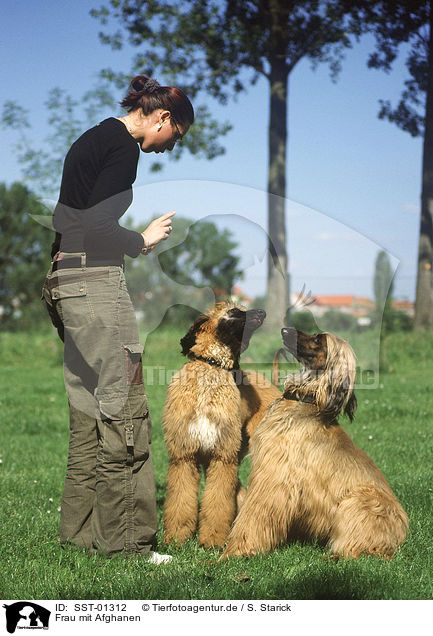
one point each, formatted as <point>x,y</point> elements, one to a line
<point>424,291</point>
<point>277,278</point>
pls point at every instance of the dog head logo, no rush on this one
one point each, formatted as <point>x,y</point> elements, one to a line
<point>26,615</point>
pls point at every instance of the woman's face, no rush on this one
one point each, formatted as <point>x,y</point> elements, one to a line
<point>161,133</point>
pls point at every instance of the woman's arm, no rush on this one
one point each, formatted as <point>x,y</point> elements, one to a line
<point>157,231</point>
<point>110,197</point>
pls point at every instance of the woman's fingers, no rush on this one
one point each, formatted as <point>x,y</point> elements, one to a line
<point>166,216</point>
<point>160,228</point>
<point>164,222</point>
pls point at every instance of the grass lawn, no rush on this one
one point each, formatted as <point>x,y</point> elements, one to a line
<point>394,424</point>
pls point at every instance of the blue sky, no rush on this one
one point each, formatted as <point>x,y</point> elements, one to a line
<point>353,181</point>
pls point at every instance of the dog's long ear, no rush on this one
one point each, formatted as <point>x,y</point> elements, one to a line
<point>335,385</point>
<point>188,340</point>
<point>351,407</point>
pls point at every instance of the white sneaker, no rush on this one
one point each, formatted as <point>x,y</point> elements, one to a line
<point>156,558</point>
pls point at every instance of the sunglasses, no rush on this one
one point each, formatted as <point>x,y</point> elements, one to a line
<point>179,136</point>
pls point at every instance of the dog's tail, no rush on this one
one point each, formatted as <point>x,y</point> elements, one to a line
<point>275,370</point>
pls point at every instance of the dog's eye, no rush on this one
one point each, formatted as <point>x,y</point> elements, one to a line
<point>316,339</point>
<point>235,313</point>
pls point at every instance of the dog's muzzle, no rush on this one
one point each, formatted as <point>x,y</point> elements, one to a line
<point>290,339</point>
<point>255,317</point>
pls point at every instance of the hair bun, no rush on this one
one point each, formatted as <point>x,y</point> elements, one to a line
<point>144,84</point>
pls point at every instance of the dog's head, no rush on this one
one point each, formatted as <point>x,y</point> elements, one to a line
<point>223,333</point>
<point>329,370</point>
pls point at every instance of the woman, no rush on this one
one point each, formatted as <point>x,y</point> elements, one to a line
<point>108,501</point>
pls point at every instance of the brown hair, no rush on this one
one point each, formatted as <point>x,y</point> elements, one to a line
<point>149,95</point>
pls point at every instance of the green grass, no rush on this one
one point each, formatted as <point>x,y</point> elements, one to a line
<point>394,424</point>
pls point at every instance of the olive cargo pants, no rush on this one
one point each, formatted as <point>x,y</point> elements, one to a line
<point>108,500</point>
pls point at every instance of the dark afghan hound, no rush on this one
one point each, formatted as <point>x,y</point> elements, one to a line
<point>212,409</point>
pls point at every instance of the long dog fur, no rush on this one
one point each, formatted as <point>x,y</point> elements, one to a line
<point>308,479</point>
<point>211,411</point>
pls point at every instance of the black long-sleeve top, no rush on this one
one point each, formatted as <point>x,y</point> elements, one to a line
<point>96,190</point>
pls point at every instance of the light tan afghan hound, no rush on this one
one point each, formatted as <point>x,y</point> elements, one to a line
<point>212,408</point>
<point>308,479</point>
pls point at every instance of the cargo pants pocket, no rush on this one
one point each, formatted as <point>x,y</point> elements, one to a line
<point>124,479</point>
<point>69,298</point>
<point>134,369</point>
<point>56,320</point>
<point>125,438</point>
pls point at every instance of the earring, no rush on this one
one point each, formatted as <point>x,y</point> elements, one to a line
<point>159,127</point>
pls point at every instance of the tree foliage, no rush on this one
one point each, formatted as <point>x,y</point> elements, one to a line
<point>208,43</point>
<point>195,257</point>
<point>385,314</point>
<point>66,118</point>
<point>24,256</point>
<point>382,283</point>
<point>304,321</point>
<point>398,24</point>
<point>409,23</point>
<point>334,320</point>
<point>218,48</point>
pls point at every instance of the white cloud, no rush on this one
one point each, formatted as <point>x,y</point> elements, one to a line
<point>331,236</point>
<point>411,208</point>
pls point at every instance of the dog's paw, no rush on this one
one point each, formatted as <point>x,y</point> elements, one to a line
<point>234,550</point>
<point>332,557</point>
<point>178,536</point>
<point>211,543</point>
<point>212,540</point>
<point>213,535</point>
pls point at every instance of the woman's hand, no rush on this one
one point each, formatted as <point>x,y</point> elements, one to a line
<point>157,231</point>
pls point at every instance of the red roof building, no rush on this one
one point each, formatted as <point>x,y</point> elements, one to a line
<point>357,306</point>
<point>404,305</point>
